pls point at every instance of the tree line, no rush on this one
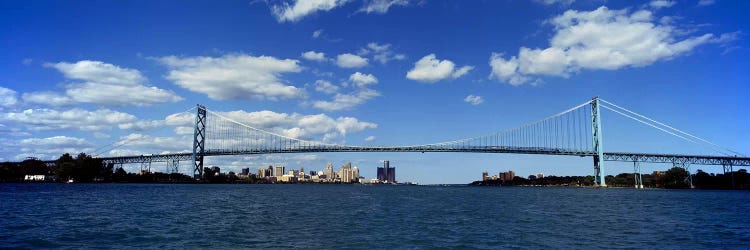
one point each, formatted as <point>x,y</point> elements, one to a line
<point>674,178</point>
<point>82,168</point>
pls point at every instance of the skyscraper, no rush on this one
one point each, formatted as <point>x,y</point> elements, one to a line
<point>329,172</point>
<point>346,172</point>
<point>279,171</point>
<point>355,174</point>
<point>386,173</point>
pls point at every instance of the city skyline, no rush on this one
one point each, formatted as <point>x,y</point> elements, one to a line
<point>371,73</point>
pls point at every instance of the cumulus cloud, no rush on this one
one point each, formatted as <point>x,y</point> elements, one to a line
<point>348,60</point>
<point>370,138</point>
<point>149,143</point>
<point>325,87</point>
<point>12,131</point>
<point>362,80</point>
<point>309,127</point>
<point>234,76</point>
<point>601,39</point>
<point>48,98</point>
<point>50,119</point>
<point>347,101</point>
<point>102,83</point>
<point>314,56</point>
<point>474,99</point>
<point>299,9</point>
<point>51,147</point>
<point>7,97</point>
<point>358,96</point>
<point>658,4</point>
<point>381,52</point>
<point>429,69</point>
<point>381,6</point>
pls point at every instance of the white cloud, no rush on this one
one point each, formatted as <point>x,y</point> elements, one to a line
<point>55,141</point>
<point>706,2</point>
<point>293,125</point>
<point>141,125</point>
<point>314,56</point>
<point>27,61</point>
<point>429,69</point>
<point>48,98</point>
<point>51,147</point>
<point>381,52</point>
<point>184,130</point>
<point>100,135</point>
<point>382,6</point>
<point>234,76</point>
<point>317,33</point>
<point>347,101</point>
<point>370,138</point>
<point>300,8</point>
<point>12,131</point>
<point>7,97</point>
<point>351,61</point>
<point>362,80</point>
<point>148,143</point>
<point>599,39</point>
<point>49,119</point>
<point>658,4</point>
<point>360,95</point>
<point>103,83</point>
<point>474,99</point>
<point>125,152</point>
<point>551,2</point>
<point>325,87</point>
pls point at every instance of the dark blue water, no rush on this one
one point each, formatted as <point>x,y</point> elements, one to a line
<point>352,216</point>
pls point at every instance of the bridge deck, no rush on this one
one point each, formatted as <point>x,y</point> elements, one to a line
<point>608,156</point>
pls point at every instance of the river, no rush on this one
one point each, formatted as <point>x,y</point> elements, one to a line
<point>357,216</point>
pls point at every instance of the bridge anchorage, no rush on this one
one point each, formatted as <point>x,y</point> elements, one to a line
<point>575,132</point>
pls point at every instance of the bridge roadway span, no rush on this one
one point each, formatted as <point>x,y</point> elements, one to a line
<point>608,156</point>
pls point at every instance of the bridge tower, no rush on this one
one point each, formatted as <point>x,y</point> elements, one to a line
<point>596,129</point>
<point>199,142</point>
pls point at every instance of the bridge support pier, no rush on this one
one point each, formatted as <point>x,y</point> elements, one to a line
<point>596,130</point>
<point>637,175</point>
<point>199,142</point>
<point>146,165</point>
<point>173,166</point>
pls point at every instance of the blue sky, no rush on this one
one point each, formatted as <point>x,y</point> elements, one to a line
<point>78,76</point>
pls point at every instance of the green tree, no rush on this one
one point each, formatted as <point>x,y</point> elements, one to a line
<point>64,167</point>
<point>33,166</point>
<point>675,178</point>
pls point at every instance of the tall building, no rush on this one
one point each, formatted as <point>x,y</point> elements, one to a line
<point>265,172</point>
<point>485,176</point>
<point>279,171</point>
<point>507,176</point>
<point>245,171</point>
<point>387,173</point>
<point>346,172</point>
<point>328,172</point>
<point>355,174</point>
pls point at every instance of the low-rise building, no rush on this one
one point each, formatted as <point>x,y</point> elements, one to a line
<point>35,177</point>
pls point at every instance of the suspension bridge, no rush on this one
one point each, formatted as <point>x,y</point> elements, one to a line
<point>574,132</point>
